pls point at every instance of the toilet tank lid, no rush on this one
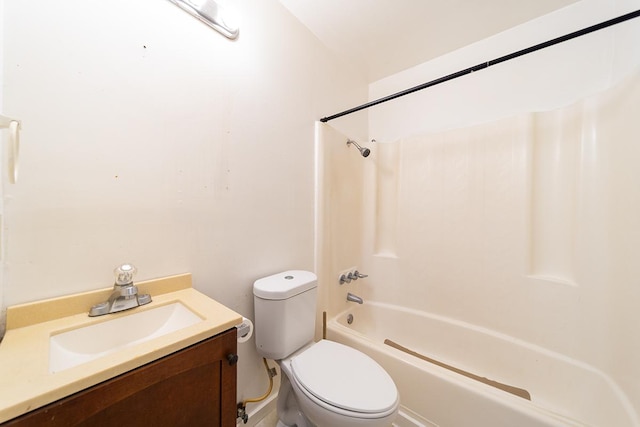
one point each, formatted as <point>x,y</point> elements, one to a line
<point>284,285</point>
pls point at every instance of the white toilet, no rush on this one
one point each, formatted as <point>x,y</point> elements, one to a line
<point>324,384</point>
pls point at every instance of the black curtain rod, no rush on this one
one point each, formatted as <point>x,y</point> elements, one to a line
<point>487,64</point>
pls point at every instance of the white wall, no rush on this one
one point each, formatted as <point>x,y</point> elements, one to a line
<point>2,234</point>
<point>543,80</point>
<point>150,138</point>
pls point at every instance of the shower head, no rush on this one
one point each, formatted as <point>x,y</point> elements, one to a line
<point>363,150</point>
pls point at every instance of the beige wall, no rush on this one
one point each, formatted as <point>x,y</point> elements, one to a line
<point>2,169</point>
<point>150,138</point>
<point>340,206</point>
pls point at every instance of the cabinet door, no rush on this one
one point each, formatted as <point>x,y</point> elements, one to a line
<point>192,387</point>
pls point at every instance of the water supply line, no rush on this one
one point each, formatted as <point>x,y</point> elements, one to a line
<point>242,406</point>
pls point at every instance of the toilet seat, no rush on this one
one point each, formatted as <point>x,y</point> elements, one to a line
<point>351,382</point>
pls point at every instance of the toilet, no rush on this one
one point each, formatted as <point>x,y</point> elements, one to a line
<point>323,384</point>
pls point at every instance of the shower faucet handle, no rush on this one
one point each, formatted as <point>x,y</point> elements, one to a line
<point>352,275</point>
<point>345,278</point>
<point>357,275</point>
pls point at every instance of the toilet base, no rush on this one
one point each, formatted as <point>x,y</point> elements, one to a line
<point>289,414</point>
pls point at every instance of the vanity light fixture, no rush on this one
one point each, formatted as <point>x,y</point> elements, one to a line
<point>212,14</point>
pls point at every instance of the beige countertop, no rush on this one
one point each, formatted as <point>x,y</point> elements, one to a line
<point>25,380</point>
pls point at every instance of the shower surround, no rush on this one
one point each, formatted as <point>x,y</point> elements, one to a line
<point>487,386</point>
<point>527,227</point>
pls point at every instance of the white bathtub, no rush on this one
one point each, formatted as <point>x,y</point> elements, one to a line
<point>564,392</point>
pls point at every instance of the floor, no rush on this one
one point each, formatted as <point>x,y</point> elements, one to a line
<point>269,421</point>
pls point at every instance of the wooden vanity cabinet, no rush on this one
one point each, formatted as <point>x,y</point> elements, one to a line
<point>193,387</point>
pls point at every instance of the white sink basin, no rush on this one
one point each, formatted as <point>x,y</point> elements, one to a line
<point>72,348</point>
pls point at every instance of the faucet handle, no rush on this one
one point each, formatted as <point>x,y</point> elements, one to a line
<point>144,299</point>
<point>128,291</point>
<point>124,274</point>
<point>358,275</point>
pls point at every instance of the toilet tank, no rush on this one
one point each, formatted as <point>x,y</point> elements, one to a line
<point>285,312</point>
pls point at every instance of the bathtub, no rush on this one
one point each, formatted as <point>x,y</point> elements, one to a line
<point>563,391</point>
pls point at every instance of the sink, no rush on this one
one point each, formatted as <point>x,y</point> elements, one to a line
<point>81,345</point>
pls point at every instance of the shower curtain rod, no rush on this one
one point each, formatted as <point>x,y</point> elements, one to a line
<point>487,64</point>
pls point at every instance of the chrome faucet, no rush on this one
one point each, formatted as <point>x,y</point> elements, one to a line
<point>352,275</point>
<point>354,298</point>
<point>125,293</point>
<point>357,275</point>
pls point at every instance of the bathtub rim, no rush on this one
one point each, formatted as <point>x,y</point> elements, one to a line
<point>335,325</point>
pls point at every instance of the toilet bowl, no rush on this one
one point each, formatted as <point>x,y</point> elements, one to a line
<point>324,384</point>
<point>335,385</point>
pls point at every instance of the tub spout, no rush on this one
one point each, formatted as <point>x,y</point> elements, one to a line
<point>354,298</point>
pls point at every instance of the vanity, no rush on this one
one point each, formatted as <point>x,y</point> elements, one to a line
<point>172,363</point>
